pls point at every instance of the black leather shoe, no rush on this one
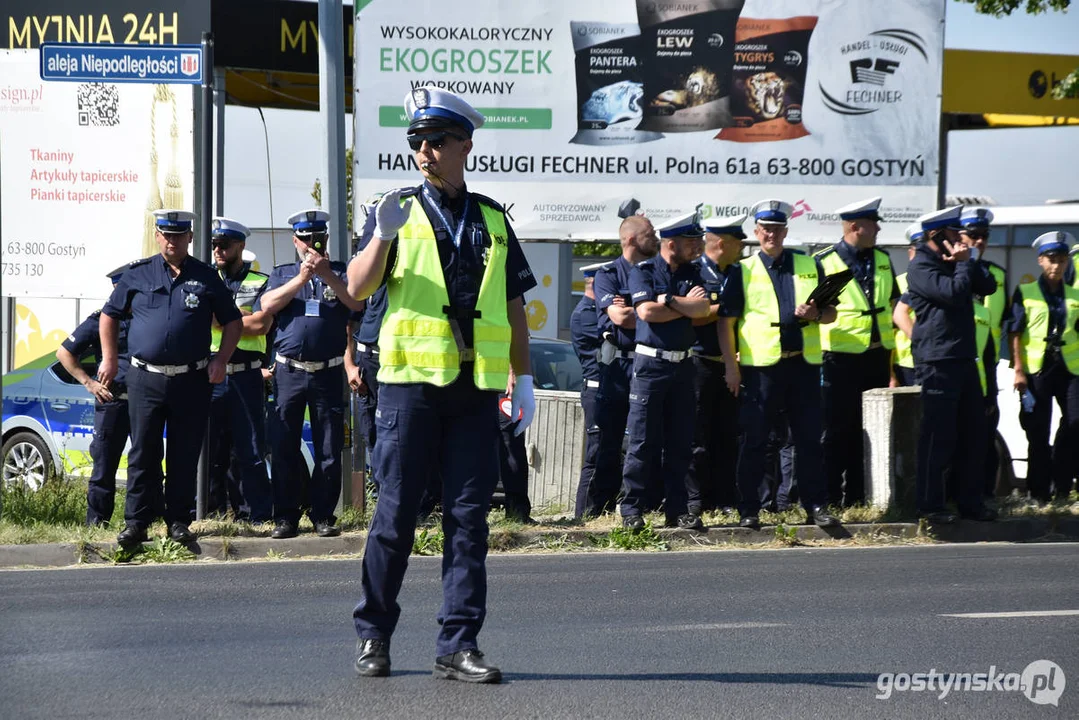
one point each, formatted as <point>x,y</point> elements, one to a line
<point>690,521</point>
<point>181,533</point>
<point>130,537</point>
<point>822,518</point>
<point>940,517</point>
<point>750,521</point>
<point>467,666</point>
<point>984,514</point>
<point>283,529</point>
<point>326,529</point>
<point>372,658</point>
<point>633,522</point>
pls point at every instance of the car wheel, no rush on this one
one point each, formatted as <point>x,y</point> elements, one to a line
<point>26,461</point>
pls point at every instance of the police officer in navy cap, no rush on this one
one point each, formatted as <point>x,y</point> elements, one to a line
<point>584,332</point>
<point>857,346</point>
<point>667,294</point>
<point>617,326</point>
<point>310,301</point>
<point>1043,328</point>
<point>172,300</point>
<point>238,477</point>
<point>710,482</point>
<point>903,319</point>
<point>454,335</point>
<point>111,423</point>
<point>942,281</point>
<point>776,361</point>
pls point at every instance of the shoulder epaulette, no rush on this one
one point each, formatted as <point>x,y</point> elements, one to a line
<point>141,261</point>
<point>646,263</point>
<point>609,267</point>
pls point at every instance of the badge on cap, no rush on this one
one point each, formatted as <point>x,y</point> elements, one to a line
<point>421,97</point>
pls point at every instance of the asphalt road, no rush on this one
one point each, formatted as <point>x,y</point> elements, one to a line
<point>787,633</point>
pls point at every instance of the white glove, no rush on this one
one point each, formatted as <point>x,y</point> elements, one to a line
<point>523,400</point>
<point>391,215</point>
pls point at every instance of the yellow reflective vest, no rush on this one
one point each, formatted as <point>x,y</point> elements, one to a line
<point>996,303</point>
<point>982,318</point>
<point>416,341</point>
<point>758,329</point>
<point>1033,342</point>
<point>903,355</point>
<point>250,287</point>
<point>853,328</point>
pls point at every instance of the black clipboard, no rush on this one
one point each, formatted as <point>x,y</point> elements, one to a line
<point>827,291</point>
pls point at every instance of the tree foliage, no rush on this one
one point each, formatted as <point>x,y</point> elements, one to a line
<point>316,191</point>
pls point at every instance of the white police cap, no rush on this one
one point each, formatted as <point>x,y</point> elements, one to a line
<point>688,225</point>
<point>1057,241</point>
<point>306,222</point>
<point>429,106</point>
<point>771,212</point>
<point>976,217</point>
<point>224,227</point>
<point>173,221</point>
<point>248,257</point>
<point>948,217</point>
<point>591,270</point>
<point>861,209</point>
<point>726,226</point>
<point>914,233</point>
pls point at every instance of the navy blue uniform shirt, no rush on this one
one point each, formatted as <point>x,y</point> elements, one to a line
<point>233,282</point>
<point>170,317</point>
<point>781,271</point>
<point>941,294</point>
<point>713,280</point>
<point>653,278</point>
<point>584,330</point>
<point>463,267</point>
<point>310,338</point>
<point>85,340</point>
<point>1015,319</point>
<point>370,323</point>
<point>863,264</point>
<point>612,281</point>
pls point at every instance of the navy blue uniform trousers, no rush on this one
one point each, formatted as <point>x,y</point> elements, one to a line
<point>322,392</point>
<point>660,425</point>
<point>794,385</point>
<point>612,412</point>
<point>710,480</point>
<point>155,402</point>
<point>513,469</point>
<point>591,448</point>
<point>425,430</point>
<point>1050,471</point>
<point>367,403</point>
<point>238,478</point>
<point>111,429</point>
<point>953,417</point>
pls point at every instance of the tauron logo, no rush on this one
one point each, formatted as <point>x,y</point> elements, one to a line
<point>879,58</point>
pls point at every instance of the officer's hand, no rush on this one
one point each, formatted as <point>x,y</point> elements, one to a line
<point>661,299</point>
<point>391,215</point>
<point>956,253</point>
<point>524,401</point>
<point>319,264</point>
<point>267,374</point>
<point>893,382</point>
<point>1020,382</point>
<point>807,311</point>
<point>98,390</point>
<point>355,380</point>
<point>618,301</point>
<point>106,371</point>
<point>216,370</point>
<point>306,270</point>
<point>733,377</point>
<point>697,292</point>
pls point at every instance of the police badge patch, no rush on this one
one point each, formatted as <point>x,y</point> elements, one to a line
<point>191,300</point>
<point>328,294</point>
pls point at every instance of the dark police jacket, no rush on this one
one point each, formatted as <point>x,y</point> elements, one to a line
<point>942,296</point>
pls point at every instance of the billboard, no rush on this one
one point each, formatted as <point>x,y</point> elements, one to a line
<point>666,103</point>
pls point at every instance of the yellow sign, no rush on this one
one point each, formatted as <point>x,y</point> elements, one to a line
<point>978,82</point>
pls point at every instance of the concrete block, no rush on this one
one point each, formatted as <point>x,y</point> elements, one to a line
<point>891,418</point>
<point>555,446</point>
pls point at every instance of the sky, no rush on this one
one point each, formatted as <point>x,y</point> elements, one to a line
<point>1012,166</point>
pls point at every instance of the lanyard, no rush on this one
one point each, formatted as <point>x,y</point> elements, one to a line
<point>445,221</point>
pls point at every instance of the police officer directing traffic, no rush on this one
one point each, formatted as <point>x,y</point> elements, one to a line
<point>857,346</point>
<point>238,405</point>
<point>942,281</point>
<point>172,300</point>
<point>778,349</point>
<point>584,332</point>
<point>453,335</point>
<point>310,300</point>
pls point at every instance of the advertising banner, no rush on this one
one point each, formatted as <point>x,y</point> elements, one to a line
<point>664,105</point>
<point>82,168</point>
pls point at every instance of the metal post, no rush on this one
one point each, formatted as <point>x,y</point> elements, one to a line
<point>205,213</point>
<point>219,141</point>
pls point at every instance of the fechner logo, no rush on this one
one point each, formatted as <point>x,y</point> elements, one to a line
<point>874,64</point>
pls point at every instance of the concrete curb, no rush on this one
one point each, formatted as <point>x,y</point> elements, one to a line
<point>554,537</point>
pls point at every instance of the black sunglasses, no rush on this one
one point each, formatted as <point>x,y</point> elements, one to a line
<point>221,242</point>
<point>977,234</point>
<point>435,140</point>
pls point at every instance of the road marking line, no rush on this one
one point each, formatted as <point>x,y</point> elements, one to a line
<point>1020,614</point>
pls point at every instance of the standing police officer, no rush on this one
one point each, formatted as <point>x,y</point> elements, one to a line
<point>453,332</point>
<point>618,327</point>
<point>111,423</point>
<point>312,305</point>
<point>903,360</point>
<point>667,295</point>
<point>857,346</point>
<point>710,481</point>
<point>584,331</point>
<point>172,300</point>
<point>942,282</point>
<point>238,405</point>
<point>778,347</point>
<point>1044,332</point>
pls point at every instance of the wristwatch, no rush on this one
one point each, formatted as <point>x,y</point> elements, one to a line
<point>667,299</point>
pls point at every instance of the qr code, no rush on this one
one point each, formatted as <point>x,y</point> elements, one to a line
<point>99,105</point>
